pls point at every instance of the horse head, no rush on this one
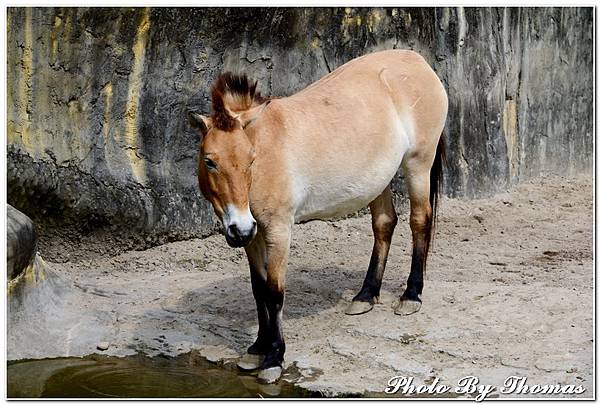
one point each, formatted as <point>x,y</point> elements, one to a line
<point>227,155</point>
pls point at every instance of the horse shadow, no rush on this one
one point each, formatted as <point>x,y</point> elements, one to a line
<point>225,309</point>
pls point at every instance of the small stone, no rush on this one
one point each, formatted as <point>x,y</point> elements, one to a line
<point>479,218</point>
<point>103,346</point>
<point>449,299</point>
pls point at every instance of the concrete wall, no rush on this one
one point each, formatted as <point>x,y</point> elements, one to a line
<point>97,130</point>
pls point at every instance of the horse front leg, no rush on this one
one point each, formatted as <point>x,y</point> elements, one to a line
<point>278,239</point>
<point>256,253</point>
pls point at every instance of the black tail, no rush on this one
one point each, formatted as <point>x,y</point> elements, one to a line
<point>436,182</point>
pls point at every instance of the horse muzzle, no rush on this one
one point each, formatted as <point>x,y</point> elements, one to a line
<point>239,226</point>
<point>237,238</point>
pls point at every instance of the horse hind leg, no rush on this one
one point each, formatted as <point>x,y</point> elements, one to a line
<point>424,184</point>
<point>384,219</point>
<point>420,214</point>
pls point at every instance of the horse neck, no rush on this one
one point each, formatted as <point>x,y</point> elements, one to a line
<point>262,128</point>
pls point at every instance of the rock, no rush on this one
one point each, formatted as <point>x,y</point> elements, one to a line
<point>108,141</point>
<point>44,307</point>
<point>103,346</point>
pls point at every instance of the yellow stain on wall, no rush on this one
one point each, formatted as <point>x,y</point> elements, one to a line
<point>24,88</point>
<point>373,20</point>
<point>68,28</point>
<point>107,91</point>
<point>349,19</point>
<point>511,133</point>
<point>131,132</point>
<point>53,34</point>
<point>33,274</point>
<point>10,125</point>
<point>107,126</point>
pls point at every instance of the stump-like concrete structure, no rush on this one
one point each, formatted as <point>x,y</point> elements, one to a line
<point>46,315</point>
<point>21,242</point>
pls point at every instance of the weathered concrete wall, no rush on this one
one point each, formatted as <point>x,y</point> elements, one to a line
<point>97,130</point>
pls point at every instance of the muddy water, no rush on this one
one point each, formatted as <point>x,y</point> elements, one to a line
<point>185,376</point>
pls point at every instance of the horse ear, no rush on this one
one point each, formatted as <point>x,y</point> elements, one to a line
<point>200,122</point>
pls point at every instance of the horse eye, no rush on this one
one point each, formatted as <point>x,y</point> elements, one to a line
<point>210,164</point>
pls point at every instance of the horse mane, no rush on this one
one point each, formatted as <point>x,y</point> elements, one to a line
<point>233,94</point>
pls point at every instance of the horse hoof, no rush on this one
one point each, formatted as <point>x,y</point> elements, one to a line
<point>269,375</point>
<point>250,362</point>
<point>407,307</point>
<point>358,307</point>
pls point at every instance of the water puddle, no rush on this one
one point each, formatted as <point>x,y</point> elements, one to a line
<point>96,376</point>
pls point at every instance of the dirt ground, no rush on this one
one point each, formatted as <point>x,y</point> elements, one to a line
<point>508,291</point>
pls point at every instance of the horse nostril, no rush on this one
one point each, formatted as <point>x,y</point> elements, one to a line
<point>233,229</point>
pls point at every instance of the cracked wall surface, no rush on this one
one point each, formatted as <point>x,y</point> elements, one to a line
<point>97,98</point>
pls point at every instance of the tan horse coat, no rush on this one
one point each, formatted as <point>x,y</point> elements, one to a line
<point>333,147</point>
<point>325,151</point>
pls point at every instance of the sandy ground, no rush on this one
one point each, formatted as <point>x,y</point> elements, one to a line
<point>508,291</point>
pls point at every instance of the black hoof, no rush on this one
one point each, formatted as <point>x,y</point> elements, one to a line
<point>250,362</point>
<point>358,307</point>
<point>270,375</point>
<point>408,304</point>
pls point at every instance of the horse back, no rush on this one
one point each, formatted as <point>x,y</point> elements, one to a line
<point>341,140</point>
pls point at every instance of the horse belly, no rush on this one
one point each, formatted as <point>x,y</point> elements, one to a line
<point>346,189</point>
<point>330,202</point>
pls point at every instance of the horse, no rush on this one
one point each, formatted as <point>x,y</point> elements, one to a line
<point>325,151</point>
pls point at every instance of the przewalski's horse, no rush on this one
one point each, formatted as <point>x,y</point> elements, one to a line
<point>326,151</point>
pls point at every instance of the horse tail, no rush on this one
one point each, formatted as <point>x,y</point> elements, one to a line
<point>436,182</point>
